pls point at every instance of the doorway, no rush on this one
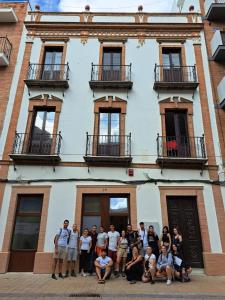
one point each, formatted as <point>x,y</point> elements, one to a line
<point>26,233</point>
<point>183,212</point>
<point>105,210</point>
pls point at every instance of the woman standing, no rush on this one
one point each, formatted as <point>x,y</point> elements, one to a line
<point>85,246</point>
<point>177,239</point>
<point>122,253</point>
<point>182,270</point>
<point>134,268</point>
<point>153,241</point>
<point>150,266</point>
<point>165,238</point>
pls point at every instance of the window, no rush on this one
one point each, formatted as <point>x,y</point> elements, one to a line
<point>109,133</point>
<point>27,222</point>
<point>52,63</point>
<point>172,65</point>
<point>112,58</point>
<point>177,137</point>
<point>105,210</point>
<point>42,131</point>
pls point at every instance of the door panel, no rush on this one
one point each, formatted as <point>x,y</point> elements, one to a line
<point>183,212</point>
<point>26,233</point>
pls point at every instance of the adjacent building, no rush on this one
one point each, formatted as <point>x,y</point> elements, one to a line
<point>113,121</point>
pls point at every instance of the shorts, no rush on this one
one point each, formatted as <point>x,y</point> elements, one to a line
<point>112,255</point>
<point>62,251</point>
<point>122,252</point>
<point>72,254</point>
<point>99,250</point>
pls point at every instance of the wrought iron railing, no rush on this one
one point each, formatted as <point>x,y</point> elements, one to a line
<point>46,72</point>
<point>108,145</point>
<point>5,46</point>
<point>181,147</point>
<point>111,72</point>
<point>176,74</point>
<point>37,144</point>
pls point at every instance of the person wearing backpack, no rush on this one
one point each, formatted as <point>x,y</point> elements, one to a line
<point>61,241</point>
<point>72,251</point>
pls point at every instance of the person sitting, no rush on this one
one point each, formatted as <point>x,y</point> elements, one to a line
<point>182,270</point>
<point>150,266</point>
<point>103,266</point>
<point>134,268</point>
<point>165,265</point>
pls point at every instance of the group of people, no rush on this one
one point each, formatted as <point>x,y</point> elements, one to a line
<point>137,255</point>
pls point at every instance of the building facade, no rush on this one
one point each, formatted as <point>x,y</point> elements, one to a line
<point>113,121</point>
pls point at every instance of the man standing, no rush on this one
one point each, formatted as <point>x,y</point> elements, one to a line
<point>133,240</point>
<point>93,234</point>
<point>113,239</point>
<point>61,241</point>
<point>143,234</point>
<point>103,266</point>
<point>72,251</point>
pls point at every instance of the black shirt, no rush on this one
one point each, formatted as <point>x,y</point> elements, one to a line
<point>131,237</point>
<point>153,240</point>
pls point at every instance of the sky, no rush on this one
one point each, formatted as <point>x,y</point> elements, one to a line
<point>104,5</point>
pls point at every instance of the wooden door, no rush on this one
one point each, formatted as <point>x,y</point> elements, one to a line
<point>26,233</point>
<point>183,212</point>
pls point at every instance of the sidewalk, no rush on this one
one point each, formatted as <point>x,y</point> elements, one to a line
<point>29,286</point>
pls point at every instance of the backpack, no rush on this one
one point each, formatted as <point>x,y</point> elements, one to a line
<point>69,232</point>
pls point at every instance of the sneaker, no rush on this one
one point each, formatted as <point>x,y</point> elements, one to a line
<point>132,282</point>
<point>54,277</point>
<point>67,274</point>
<point>169,282</point>
<point>73,274</point>
<point>123,274</point>
<point>83,274</point>
<point>61,276</point>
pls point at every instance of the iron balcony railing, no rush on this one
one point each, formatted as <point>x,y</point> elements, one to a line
<point>5,47</point>
<point>181,147</point>
<point>46,72</point>
<point>37,144</point>
<point>111,72</point>
<point>175,74</point>
<point>108,145</point>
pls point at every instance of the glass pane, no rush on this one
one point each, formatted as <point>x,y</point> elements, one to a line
<point>49,122</point>
<point>175,59</point>
<point>39,120</point>
<point>89,221</point>
<point>115,124</point>
<point>103,127</point>
<point>166,59</point>
<point>118,205</point>
<point>30,204</point>
<point>107,58</point>
<point>26,233</point>
<point>58,58</point>
<point>116,59</point>
<point>92,204</point>
<point>48,57</point>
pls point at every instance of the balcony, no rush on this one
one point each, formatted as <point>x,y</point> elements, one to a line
<point>5,51</point>
<point>48,75</point>
<point>215,10</point>
<point>111,77</point>
<point>36,148</point>
<point>7,15</point>
<point>175,78</point>
<point>181,152</point>
<point>113,150</point>
<point>218,46</point>
<point>221,92</point>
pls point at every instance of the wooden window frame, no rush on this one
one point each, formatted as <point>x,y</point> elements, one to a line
<point>101,53</point>
<point>40,102</point>
<point>117,104</point>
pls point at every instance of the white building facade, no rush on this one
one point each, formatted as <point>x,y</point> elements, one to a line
<point>114,123</point>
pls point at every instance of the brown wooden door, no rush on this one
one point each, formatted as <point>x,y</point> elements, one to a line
<point>26,233</point>
<point>183,212</point>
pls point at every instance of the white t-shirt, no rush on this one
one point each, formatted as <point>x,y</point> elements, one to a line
<point>113,240</point>
<point>103,261</point>
<point>144,237</point>
<point>85,242</point>
<point>152,257</point>
<point>63,236</point>
<point>102,236</point>
<point>73,239</point>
